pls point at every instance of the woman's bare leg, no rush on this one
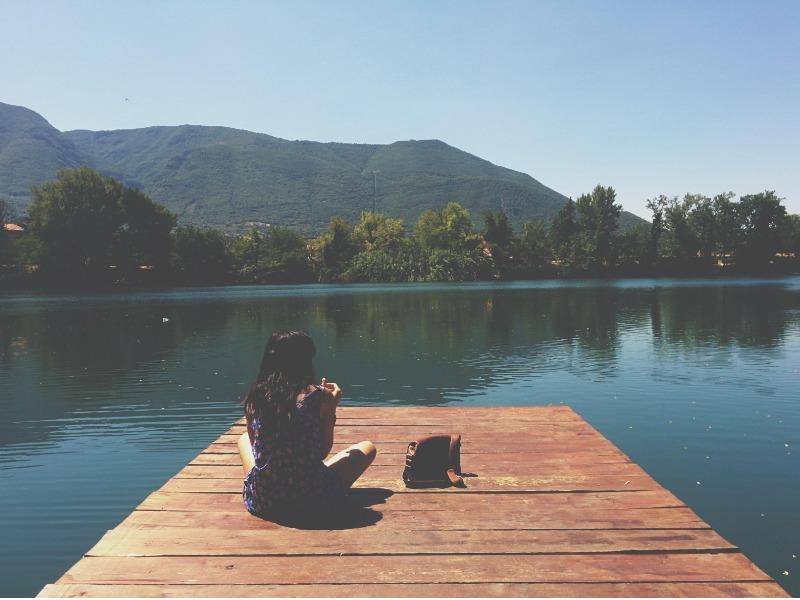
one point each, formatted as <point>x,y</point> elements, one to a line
<point>350,464</point>
<point>246,452</point>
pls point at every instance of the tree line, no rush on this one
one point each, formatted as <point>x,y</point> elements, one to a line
<point>87,229</point>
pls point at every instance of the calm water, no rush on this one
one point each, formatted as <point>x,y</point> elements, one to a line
<point>101,400</point>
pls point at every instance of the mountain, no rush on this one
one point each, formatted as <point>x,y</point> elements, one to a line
<point>31,152</point>
<point>230,178</point>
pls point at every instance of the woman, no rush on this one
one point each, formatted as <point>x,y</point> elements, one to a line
<point>290,432</point>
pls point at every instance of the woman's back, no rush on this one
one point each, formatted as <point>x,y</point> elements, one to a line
<point>288,471</point>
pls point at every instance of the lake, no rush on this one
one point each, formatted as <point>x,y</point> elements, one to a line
<point>105,396</point>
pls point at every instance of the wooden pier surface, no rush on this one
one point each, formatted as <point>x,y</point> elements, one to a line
<point>555,510</point>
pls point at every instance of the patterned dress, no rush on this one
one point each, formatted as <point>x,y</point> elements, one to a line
<point>289,475</point>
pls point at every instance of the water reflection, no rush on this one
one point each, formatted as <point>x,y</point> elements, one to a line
<point>693,318</point>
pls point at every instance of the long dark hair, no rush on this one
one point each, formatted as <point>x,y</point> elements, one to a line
<point>286,370</point>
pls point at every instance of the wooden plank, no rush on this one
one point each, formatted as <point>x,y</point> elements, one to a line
<point>517,568</point>
<point>380,472</point>
<point>474,447</point>
<point>476,461</point>
<point>445,427</point>
<point>761,589</point>
<point>184,541</point>
<point>395,414</point>
<point>386,434</point>
<point>380,519</point>
<point>585,501</point>
<point>555,483</point>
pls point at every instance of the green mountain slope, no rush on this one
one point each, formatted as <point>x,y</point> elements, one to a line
<point>230,178</point>
<point>31,152</point>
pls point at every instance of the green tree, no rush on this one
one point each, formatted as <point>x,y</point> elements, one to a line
<point>657,207</point>
<point>598,214</point>
<point>529,249</point>
<point>703,223</point>
<point>449,265</point>
<point>447,229</point>
<point>563,233</point>
<point>402,264</point>
<point>88,223</point>
<point>278,256</point>
<point>498,235</point>
<point>144,239</point>
<point>726,222</point>
<point>200,256</point>
<point>333,250</point>
<point>634,246</point>
<point>791,238</point>
<point>449,248</point>
<point>377,232</point>
<point>763,221</point>
<point>681,241</point>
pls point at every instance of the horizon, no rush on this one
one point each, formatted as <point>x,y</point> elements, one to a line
<point>650,100</point>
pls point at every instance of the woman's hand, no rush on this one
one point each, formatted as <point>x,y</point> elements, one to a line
<point>327,413</point>
<point>332,389</point>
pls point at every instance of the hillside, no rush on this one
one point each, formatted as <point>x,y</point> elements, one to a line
<point>31,152</point>
<point>228,178</point>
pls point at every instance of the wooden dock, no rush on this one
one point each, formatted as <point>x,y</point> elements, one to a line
<point>555,510</point>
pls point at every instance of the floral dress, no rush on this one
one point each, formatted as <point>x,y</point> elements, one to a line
<point>289,475</point>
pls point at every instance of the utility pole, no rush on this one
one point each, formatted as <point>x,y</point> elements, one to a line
<point>374,189</point>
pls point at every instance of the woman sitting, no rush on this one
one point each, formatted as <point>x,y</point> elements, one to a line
<point>290,432</point>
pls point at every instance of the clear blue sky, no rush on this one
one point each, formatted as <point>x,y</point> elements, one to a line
<point>649,97</point>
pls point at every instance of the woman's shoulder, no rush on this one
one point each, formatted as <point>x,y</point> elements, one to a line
<point>312,391</point>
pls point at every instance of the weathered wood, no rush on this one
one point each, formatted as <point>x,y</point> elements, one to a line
<point>512,568</point>
<point>554,483</point>
<point>472,503</point>
<point>195,541</point>
<point>381,472</point>
<point>555,510</point>
<point>556,437</point>
<point>484,447</point>
<point>473,463</point>
<point>515,519</point>
<point>760,589</point>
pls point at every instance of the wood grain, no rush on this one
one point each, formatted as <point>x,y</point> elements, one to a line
<point>555,509</point>
<point>760,589</point>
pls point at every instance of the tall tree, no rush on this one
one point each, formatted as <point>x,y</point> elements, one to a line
<point>563,233</point>
<point>682,243</point>
<point>657,206</point>
<point>333,250</point>
<point>88,223</point>
<point>201,256</point>
<point>598,214</point>
<point>144,239</point>
<point>791,240</point>
<point>447,229</point>
<point>498,234</point>
<point>763,222</point>
<point>377,232</point>
<point>703,223</point>
<point>530,249</point>
<point>278,256</point>
<point>726,223</point>
<point>634,246</point>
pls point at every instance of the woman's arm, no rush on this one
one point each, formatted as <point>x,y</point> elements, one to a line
<point>327,413</point>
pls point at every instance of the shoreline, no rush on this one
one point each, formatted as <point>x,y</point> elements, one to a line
<point>125,287</point>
